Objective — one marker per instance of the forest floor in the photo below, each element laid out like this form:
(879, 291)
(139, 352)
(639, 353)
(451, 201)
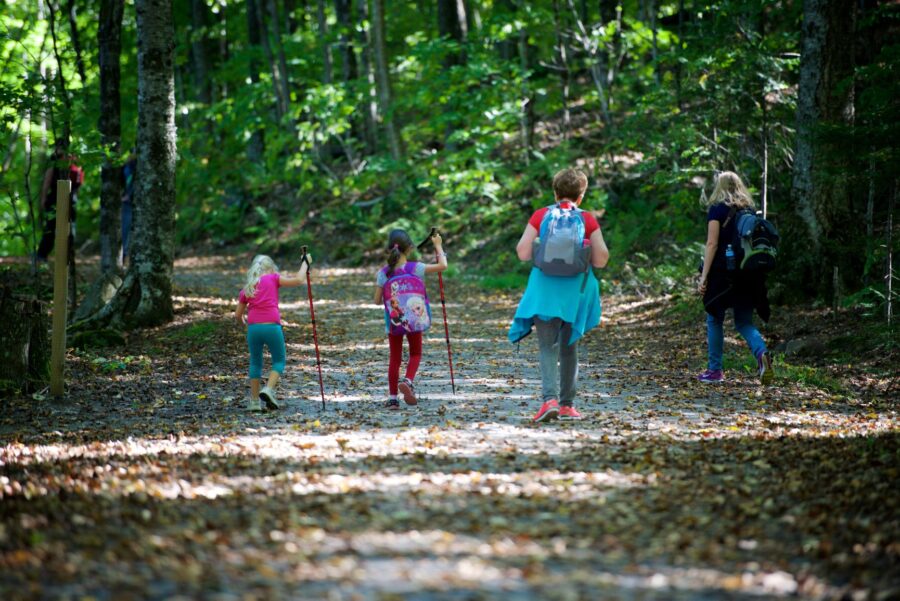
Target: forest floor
(152, 481)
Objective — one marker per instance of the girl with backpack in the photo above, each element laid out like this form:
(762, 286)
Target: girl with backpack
(400, 287)
(723, 286)
(562, 298)
(258, 310)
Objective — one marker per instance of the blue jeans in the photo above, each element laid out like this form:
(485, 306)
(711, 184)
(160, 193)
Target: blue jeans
(270, 335)
(743, 323)
(559, 360)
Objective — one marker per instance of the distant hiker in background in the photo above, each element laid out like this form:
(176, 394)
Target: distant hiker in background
(562, 298)
(400, 287)
(258, 309)
(723, 285)
(62, 166)
(129, 170)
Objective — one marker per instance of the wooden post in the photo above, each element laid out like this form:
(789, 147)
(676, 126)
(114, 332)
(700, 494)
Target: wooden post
(60, 288)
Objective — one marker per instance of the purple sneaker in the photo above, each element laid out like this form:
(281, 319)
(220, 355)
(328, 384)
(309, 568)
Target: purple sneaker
(712, 375)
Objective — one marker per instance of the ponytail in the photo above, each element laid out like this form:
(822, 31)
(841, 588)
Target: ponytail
(399, 244)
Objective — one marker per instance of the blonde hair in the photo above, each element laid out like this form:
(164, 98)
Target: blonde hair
(260, 266)
(731, 191)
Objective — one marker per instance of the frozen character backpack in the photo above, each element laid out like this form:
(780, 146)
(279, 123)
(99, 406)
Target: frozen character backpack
(560, 249)
(406, 307)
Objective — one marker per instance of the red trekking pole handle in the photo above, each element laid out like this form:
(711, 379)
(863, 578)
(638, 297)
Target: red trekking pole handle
(312, 318)
(423, 244)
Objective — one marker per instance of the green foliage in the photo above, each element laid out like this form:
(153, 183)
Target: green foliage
(710, 91)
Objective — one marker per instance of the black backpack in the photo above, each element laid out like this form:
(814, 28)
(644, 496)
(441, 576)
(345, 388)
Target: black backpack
(755, 241)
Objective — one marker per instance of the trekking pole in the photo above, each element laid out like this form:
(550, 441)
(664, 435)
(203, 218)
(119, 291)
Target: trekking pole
(424, 243)
(312, 318)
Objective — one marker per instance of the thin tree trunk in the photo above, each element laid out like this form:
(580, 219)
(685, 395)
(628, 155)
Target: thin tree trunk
(61, 80)
(256, 146)
(224, 50)
(596, 61)
(382, 78)
(655, 47)
(275, 17)
(199, 55)
(110, 49)
(76, 42)
(890, 254)
(564, 74)
(870, 223)
(526, 120)
(327, 60)
(145, 297)
(679, 51)
(370, 105)
(280, 99)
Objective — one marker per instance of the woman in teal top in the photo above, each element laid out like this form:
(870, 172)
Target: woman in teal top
(561, 308)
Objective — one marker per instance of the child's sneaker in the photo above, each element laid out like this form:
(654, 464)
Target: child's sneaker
(254, 405)
(764, 368)
(548, 411)
(569, 413)
(392, 404)
(712, 375)
(267, 396)
(408, 392)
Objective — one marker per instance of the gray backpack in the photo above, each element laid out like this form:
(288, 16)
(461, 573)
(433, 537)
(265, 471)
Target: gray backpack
(560, 249)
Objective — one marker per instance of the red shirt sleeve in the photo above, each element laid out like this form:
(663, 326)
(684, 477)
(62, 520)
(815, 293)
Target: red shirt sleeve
(590, 224)
(242, 298)
(536, 218)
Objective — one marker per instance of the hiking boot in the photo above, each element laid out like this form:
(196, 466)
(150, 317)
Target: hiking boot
(408, 392)
(254, 405)
(712, 375)
(764, 368)
(548, 411)
(568, 413)
(392, 404)
(267, 396)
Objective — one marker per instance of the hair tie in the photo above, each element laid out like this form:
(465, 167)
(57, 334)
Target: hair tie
(396, 246)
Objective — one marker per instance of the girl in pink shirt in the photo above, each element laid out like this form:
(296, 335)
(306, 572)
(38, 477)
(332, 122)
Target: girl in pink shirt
(258, 309)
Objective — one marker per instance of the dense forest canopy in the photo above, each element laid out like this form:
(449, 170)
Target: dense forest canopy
(326, 122)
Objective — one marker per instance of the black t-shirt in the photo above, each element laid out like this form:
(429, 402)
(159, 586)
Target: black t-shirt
(720, 212)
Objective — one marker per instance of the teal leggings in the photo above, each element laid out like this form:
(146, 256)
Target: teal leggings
(270, 335)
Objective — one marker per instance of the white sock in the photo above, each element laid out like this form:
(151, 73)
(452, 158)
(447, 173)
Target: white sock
(393, 397)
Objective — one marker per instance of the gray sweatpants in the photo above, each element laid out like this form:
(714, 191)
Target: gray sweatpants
(559, 360)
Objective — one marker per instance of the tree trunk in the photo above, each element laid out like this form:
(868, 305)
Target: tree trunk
(256, 146)
(655, 47)
(451, 17)
(199, 54)
(327, 60)
(63, 139)
(280, 99)
(527, 119)
(382, 77)
(145, 297)
(275, 18)
(824, 98)
(76, 42)
(110, 49)
(369, 100)
(563, 66)
(25, 353)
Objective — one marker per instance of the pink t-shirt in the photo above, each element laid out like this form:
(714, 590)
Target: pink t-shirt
(262, 307)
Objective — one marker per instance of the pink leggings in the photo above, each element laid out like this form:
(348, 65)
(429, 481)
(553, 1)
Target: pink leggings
(415, 356)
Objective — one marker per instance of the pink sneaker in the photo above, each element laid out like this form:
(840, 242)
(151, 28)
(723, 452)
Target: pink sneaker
(548, 411)
(408, 392)
(711, 375)
(567, 412)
